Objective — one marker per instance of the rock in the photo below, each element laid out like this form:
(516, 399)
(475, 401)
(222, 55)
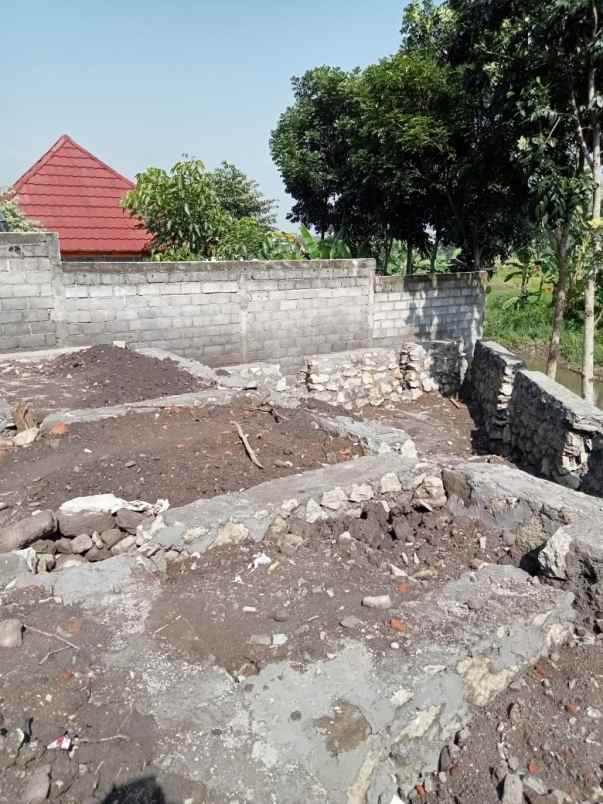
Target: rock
(360, 493)
(81, 544)
(367, 530)
(67, 561)
(277, 527)
(390, 484)
(48, 546)
(402, 529)
(265, 640)
(281, 616)
(111, 537)
(128, 520)
(26, 437)
(11, 633)
(46, 563)
(38, 786)
(83, 522)
(553, 556)
(98, 503)
(351, 622)
(98, 554)
(26, 531)
(396, 572)
(532, 784)
(231, 533)
(290, 543)
(334, 499)
(313, 512)
(377, 602)
(63, 546)
(512, 789)
(124, 545)
(278, 640)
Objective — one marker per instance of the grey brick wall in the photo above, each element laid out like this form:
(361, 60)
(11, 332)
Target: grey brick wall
(429, 307)
(28, 264)
(225, 312)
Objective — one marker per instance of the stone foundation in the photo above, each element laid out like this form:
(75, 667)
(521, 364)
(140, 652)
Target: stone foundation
(354, 379)
(430, 366)
(537, 422)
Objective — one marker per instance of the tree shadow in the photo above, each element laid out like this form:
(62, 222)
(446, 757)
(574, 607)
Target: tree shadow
(145, 790)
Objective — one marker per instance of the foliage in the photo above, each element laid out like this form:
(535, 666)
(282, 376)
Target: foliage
(242, 239)
(16, 219)
(180, 208)
(240, 196)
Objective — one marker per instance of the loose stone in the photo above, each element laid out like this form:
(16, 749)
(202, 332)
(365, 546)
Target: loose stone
(11, 633)
(377, 602)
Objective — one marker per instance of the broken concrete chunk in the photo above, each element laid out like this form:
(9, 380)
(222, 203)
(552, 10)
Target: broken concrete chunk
(360, 493)
(11, 565)
(26, 531)
(83, 522)
(231, 533)
(11, 633)
(390, 483)
(290, 543)
(6, 416)
(313, 512)
(26, 437)
(99, 503)
(334, 499)
(553, 557)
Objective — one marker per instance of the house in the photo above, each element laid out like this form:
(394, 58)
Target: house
(71, 192)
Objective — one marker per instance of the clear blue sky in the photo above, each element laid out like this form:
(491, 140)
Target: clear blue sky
(139, 83)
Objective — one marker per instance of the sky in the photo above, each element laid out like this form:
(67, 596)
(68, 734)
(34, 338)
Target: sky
(141, 82)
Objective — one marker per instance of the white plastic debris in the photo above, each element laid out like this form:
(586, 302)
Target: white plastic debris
(261, 560)
(278, 640)
(62, 743)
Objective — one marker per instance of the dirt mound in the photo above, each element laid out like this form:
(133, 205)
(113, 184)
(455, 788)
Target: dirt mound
(109, 375)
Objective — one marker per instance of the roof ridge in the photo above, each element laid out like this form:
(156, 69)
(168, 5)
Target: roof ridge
(65, 139)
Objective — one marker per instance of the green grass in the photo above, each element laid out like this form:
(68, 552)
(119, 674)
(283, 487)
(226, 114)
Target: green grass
(530, 326)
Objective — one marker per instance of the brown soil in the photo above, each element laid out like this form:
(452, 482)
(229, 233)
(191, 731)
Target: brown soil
(550, 723)
(305, 595)
(95, 377)
(180, 454)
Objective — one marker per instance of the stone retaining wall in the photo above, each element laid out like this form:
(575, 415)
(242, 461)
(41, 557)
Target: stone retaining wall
(431, 366)
(536, 421)
(225, 312)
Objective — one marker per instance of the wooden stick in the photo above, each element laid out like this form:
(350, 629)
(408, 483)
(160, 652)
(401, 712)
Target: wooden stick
(248, 448)
(52, 653)
(51, 636)
(454, 402)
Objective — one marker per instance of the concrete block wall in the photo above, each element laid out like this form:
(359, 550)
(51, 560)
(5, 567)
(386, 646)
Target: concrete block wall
(27, 295)
(225, 312)
(429, 307)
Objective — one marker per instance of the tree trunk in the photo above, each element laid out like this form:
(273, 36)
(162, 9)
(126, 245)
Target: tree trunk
(590, 291)
(560, 302)
(408, 258)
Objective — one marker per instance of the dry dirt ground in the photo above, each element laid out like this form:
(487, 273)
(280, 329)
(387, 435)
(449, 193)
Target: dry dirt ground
(94, 377)
(180, 454)
(230, 610)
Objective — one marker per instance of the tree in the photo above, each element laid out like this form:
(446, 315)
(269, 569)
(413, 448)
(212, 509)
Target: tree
(15, 218)
(240, 196)
(310, 145)
(180, 208)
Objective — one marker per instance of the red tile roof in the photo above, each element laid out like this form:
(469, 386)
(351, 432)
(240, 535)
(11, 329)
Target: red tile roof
(71, 192)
